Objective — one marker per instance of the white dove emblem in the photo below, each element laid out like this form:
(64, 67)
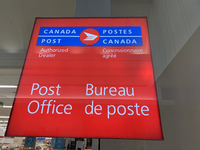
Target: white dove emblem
(90, 37)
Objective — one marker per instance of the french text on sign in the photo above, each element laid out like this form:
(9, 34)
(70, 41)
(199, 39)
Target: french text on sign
(122, 110)
(112, 91)
(96, 109)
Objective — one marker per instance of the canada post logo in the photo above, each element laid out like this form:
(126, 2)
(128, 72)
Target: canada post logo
(90, 36)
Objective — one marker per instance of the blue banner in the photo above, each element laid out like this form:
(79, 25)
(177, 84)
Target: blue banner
(90, 36)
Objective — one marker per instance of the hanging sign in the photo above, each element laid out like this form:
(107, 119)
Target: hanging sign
(87, 77)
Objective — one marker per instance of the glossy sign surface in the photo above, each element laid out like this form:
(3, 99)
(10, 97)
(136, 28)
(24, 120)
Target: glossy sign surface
(87, 77)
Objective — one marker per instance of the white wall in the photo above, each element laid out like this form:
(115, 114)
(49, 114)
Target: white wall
(171, 24)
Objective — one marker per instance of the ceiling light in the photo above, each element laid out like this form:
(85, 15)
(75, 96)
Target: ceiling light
(4, 116)
(3, 125)
(7, 106)
(3, 121)
(8, 86)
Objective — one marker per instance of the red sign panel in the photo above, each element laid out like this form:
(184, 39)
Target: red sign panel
(87, 77)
